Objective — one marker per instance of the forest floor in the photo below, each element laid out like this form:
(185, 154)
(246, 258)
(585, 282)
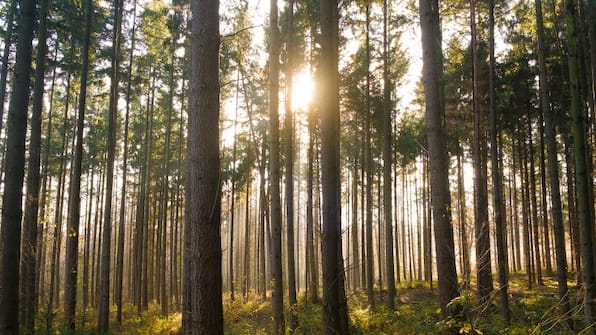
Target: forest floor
(533, 311)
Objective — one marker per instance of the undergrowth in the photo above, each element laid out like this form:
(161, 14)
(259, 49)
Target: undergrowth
(533, 312)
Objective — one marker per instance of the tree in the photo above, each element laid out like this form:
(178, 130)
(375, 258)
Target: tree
(29, 244)
(4, 69)
(387, 156)
(497, 181)
(483, 270)
(14, 171)
(121, 225)
(553, 166)
(289, 143)
(74, 204)
(202, 278)
(437, 151)
(276, 264)
(581, 172)
(104, 283)
(335, 312)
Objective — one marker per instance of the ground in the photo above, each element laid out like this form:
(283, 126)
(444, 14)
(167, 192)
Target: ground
(533, 312)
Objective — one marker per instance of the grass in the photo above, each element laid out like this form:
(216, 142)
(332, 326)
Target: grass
(533, 312)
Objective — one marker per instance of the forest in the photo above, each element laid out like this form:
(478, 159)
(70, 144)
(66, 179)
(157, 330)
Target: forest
(297, 167)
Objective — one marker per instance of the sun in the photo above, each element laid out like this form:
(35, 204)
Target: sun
(302, 90)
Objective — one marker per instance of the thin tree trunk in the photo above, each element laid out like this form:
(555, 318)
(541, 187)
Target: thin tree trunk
(276, 248)
(289, 166)
(481, 224)
(74, 192)
(121, 223)
(498, 203)
(387, 146)
(369, 173)
(534, 207)
(104, 284)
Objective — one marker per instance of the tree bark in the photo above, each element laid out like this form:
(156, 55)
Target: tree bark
(553, 168)
(289, 167)
(481, 224)
(74, 192)
(439, 162)
(29, 244)
(276, 248)
(104, 283)
(581, 174)
(202, 279)
(121, 223)
(335, 313)
(6, 53)
(498, 202)
(387, 155)
(14, 170)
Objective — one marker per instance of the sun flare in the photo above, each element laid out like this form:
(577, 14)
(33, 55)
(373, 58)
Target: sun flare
(302, 90)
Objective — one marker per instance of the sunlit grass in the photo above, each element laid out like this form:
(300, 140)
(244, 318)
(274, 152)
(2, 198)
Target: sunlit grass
(534, 311)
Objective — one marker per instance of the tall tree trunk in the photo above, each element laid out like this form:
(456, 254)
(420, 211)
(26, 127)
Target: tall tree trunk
(14, 170)
(202, 279)
(312, 281)
(387, 146)
(277, 298)
(5, 55)
(437, 151)
(74, 192)
(29, 244)
(498, 203)
(534, 206)
(553, 168)
(581, 174)
(121, 224)
(369, 173)
(481, 224)
(463, 224)
(354, 232)
(289, 166)
(104, 284)
(335, 312)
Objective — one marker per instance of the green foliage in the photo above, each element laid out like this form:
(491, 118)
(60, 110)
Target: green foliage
(458, 318)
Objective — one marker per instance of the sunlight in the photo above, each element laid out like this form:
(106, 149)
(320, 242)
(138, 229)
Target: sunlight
(302, 91)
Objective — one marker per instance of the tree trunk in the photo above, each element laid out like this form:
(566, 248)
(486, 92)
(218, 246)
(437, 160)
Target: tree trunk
(553, 168)
(104, 284)
(312, 287)
(289, 166)
(437, 151)
(335, 312)
(202, 279)
(14, 171)
(121, 224)
(74, 192)
(5, 55)
(534, 206)
(498, 203)
(370, 273)
(387, 145)
(29, 244)
(276, 248)
(581, 174)
(481, 224)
